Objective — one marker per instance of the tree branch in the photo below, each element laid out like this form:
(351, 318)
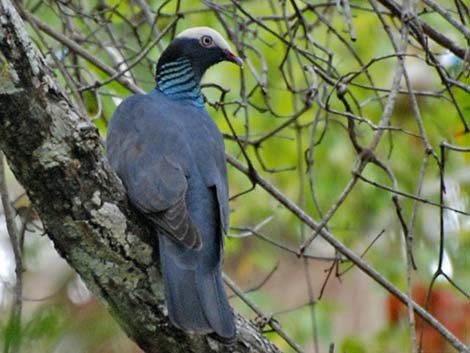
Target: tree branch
(57, 155)
(429, 30)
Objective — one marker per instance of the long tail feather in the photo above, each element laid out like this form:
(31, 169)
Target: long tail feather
(196, 299)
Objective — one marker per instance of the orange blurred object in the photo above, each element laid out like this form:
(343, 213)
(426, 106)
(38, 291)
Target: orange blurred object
(445, 306)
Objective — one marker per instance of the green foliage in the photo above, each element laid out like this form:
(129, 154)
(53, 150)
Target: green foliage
(12, 333)
(352, 345)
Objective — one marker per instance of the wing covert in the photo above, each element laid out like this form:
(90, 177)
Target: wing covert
(148, 166)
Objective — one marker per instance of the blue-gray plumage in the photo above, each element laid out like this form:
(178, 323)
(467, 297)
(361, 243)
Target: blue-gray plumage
(170, 156)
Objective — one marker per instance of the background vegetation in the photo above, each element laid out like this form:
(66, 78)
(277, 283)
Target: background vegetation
(354, 110)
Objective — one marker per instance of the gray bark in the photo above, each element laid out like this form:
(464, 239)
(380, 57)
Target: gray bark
(57, 155)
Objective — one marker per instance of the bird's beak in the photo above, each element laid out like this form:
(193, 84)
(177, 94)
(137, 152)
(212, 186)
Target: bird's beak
(233, 58)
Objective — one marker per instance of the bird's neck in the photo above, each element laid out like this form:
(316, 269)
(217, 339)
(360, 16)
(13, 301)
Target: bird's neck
(178, 80)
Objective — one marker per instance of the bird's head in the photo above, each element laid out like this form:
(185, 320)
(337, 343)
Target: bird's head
(202, 46)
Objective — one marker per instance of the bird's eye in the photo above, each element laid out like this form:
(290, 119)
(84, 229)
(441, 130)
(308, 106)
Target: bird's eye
(206, 41)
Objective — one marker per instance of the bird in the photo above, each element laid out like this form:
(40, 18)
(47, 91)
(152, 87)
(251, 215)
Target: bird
(170, 156)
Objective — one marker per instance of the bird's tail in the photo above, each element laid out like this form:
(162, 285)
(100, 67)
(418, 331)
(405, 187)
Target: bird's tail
(195, 297)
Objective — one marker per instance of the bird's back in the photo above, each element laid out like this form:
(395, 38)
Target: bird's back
(144, 130)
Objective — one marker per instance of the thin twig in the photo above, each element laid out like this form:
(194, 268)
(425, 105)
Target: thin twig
(269, 319)
(126, 82)
(12, 343)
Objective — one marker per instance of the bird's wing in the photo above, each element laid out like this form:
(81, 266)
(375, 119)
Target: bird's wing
(154, 178)
(222, 195)
(159, 191)
(209, 152)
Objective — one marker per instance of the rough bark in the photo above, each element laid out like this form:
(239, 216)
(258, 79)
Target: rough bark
(57, 155)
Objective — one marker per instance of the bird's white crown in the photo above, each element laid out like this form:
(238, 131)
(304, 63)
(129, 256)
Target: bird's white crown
(199, 32)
